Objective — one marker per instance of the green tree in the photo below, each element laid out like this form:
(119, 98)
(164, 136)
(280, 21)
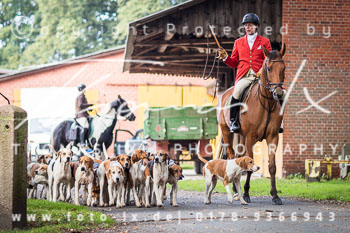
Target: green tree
(53, 30)
(17, 30)
(71, 28)
(135, 9)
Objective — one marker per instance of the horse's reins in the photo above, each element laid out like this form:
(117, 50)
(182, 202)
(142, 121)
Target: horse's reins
(271, 87)
(267, 78)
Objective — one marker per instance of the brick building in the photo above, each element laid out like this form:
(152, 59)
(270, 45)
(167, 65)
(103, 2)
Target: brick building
(327, 70)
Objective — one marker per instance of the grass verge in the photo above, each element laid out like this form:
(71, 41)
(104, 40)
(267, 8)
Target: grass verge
(45, 216)
(325, 190)
(187, 166)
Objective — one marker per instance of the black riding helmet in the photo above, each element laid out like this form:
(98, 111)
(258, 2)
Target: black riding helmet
(81, 87)
(251, 18)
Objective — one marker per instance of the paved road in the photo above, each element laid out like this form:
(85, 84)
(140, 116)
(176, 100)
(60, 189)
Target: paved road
(193, 215)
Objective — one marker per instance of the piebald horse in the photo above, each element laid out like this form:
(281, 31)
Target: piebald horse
(262, 120)
(101, 126)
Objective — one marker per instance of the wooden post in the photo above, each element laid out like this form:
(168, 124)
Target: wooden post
(329, 171)
(13, 163)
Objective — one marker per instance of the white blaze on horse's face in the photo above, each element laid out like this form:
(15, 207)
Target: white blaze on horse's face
(275, 70)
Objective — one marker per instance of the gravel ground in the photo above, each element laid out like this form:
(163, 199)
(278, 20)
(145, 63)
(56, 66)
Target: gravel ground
(193, 215)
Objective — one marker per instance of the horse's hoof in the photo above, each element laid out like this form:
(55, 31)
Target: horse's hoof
(247, 199)
(277, 201)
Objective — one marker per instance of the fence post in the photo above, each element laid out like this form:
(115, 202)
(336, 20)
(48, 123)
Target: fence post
(13, 163)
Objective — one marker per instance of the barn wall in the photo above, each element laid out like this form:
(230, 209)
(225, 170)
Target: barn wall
(327, 70)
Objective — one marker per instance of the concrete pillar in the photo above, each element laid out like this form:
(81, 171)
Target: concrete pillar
(13, 163)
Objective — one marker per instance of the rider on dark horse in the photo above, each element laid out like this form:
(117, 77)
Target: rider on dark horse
(81, 106)
(248, 57)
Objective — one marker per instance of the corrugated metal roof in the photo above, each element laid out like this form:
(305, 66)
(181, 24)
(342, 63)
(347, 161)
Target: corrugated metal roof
(131, 37)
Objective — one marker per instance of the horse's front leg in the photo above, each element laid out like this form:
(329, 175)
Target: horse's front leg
(272, 143)
(249, 151)
(227, 136)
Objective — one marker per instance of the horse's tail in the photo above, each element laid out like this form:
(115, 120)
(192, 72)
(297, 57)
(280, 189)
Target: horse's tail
(202, 159)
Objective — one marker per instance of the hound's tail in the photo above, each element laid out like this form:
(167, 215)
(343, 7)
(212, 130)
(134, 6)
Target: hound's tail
(30, 157)
(202, 159)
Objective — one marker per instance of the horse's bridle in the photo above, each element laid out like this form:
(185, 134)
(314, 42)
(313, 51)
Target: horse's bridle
(271, 87)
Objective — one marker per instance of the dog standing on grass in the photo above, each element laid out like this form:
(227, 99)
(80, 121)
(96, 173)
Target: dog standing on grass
(227, 171)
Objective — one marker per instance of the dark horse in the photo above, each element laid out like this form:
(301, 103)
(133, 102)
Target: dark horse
(101, 126)
(262, 120)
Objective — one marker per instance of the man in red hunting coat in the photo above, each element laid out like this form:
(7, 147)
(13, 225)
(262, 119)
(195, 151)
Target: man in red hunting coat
(247, 56)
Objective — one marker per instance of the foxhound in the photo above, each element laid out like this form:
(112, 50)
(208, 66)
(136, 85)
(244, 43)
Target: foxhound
(115, 178)
(84, 175)
(59, 171)
(160, 173)
(175, 174)
(125, 161)
(140, 178)
(227, 171)
(37, 174)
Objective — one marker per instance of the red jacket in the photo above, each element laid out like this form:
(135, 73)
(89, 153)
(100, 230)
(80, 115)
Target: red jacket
(243, 58)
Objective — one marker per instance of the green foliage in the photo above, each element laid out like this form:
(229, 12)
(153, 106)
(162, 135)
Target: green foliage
(135, 9)
(299, 188)
(53, 30)
(14, 40)
(296, 175)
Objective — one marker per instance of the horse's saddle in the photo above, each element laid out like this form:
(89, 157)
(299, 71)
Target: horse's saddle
(75, 129)
(244, 97)
(73, 133)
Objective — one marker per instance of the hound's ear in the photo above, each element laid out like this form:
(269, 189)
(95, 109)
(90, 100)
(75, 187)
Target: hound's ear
(91, 163)
(242, 163)
(266, 53)
(283, 49)
(40, 159)
(134, 157)
(148, 154)
(119, 97)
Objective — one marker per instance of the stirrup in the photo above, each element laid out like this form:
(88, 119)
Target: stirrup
(234, 127)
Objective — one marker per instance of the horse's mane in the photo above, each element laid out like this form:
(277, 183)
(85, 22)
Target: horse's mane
(106, 109)
(274, 54)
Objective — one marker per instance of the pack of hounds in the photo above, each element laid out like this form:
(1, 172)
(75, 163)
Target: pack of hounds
(105, 182)
(111, 181)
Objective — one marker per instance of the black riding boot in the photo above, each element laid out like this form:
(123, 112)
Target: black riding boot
(82, 135)
(281, 128)
(234, 123)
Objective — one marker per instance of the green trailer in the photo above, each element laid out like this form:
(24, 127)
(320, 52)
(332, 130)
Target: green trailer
(183, 132)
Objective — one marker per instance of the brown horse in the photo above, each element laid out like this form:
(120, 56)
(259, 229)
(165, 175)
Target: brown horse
(262, 120)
